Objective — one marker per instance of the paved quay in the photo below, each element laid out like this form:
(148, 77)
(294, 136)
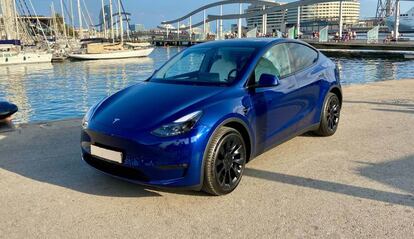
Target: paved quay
(356, 184)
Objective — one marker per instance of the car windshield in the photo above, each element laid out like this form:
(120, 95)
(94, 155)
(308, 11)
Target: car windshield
(216, 66)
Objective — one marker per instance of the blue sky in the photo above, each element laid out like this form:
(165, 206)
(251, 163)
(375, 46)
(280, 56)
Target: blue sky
(152, 12)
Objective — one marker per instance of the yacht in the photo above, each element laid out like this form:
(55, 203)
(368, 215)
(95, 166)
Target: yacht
(406, 22)
(13, 54)
(102, 51)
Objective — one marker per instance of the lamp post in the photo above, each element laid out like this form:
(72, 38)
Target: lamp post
(221, 22)
(298, 22)
(239, 30)
(204, 23)
(397, 20)
(341, 23)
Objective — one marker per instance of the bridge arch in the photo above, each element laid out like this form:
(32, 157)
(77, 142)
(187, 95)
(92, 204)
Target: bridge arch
(273, 8)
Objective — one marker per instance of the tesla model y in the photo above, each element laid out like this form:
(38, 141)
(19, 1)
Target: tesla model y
(204, 114)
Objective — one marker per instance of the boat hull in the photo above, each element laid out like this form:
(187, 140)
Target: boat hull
(25, 58)
(406, 22)
(113, 55)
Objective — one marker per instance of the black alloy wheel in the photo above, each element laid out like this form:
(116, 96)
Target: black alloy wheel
(225, 162)
(333, 113)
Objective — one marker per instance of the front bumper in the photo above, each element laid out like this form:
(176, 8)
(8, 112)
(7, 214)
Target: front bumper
(149, 160)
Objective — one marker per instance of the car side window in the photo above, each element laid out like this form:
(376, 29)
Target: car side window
(274, 62)
(301, 56)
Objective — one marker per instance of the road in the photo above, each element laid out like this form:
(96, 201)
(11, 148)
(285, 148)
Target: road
(356, 184)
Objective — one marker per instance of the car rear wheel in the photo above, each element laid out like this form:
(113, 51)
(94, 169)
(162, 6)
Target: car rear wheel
(330, 116)
(224, 162)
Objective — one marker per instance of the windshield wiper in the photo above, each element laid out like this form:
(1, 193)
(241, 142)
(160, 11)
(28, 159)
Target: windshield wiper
(180, 78)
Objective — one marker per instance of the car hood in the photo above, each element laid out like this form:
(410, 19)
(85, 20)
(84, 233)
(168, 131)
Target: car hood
(148, 104)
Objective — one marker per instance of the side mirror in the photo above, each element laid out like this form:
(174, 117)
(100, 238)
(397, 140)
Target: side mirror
(267, 80)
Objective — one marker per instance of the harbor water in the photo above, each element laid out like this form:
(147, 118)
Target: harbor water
(58, 91)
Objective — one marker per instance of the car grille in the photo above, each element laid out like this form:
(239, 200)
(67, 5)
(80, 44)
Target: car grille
(115, 170)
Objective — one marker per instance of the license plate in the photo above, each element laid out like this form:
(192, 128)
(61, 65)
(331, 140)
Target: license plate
(107, 154)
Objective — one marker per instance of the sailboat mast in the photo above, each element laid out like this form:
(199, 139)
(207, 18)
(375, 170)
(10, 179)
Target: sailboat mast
(63, 19)
(86, 20)
(80, 20)
(104, 19)
(88, 17)
(116, 27)
(112, 20)
(52, 10)
(38, 24)
(121, 22)
(16, 19)
(72, 19)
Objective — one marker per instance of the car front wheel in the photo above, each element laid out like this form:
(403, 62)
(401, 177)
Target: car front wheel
(225, 161)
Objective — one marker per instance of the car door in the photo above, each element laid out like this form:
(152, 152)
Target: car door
(275, 107)
(308, 74)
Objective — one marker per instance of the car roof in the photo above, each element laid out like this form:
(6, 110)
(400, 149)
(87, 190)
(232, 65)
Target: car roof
(245, 42)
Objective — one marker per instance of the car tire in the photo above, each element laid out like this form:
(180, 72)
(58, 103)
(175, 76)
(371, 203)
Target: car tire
(330, 116)
(224, 162)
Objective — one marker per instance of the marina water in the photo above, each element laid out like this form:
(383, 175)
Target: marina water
(58, 91)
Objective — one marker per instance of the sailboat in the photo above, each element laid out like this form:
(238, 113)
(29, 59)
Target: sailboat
(11, 49)
(102, 51)
(11, 54)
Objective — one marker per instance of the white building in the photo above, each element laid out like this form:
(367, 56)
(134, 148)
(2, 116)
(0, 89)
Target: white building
(312, 16)
(138, 27)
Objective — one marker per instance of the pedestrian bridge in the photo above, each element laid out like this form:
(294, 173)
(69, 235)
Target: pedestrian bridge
(270, 8)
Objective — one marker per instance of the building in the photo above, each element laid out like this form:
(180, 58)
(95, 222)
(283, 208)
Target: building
(137, 27)
(275, 21)
(313, 17)
(105, 14)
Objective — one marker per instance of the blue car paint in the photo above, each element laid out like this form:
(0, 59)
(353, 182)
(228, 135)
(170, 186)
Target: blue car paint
(270, 116)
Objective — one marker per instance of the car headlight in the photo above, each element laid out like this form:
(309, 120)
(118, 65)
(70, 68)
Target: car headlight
(85, 123)
(88, 115)
(180, 126)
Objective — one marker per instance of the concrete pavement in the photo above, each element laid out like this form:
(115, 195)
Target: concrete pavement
(358, 183)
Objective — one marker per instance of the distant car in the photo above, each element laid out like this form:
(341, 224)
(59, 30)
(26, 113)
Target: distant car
(202, 116)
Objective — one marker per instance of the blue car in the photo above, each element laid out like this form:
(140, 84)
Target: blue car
(212, 108)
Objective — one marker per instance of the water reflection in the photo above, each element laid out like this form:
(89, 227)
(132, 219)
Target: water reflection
(357, 71)
(66, 90)
(17, 88)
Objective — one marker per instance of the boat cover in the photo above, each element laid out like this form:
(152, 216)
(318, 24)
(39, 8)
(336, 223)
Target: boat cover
(7, 109)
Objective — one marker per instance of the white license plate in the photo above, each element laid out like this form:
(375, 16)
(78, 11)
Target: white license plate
(107, 154)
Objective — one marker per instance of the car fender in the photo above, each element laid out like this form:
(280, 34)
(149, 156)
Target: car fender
(225, 120)
(325, 95)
